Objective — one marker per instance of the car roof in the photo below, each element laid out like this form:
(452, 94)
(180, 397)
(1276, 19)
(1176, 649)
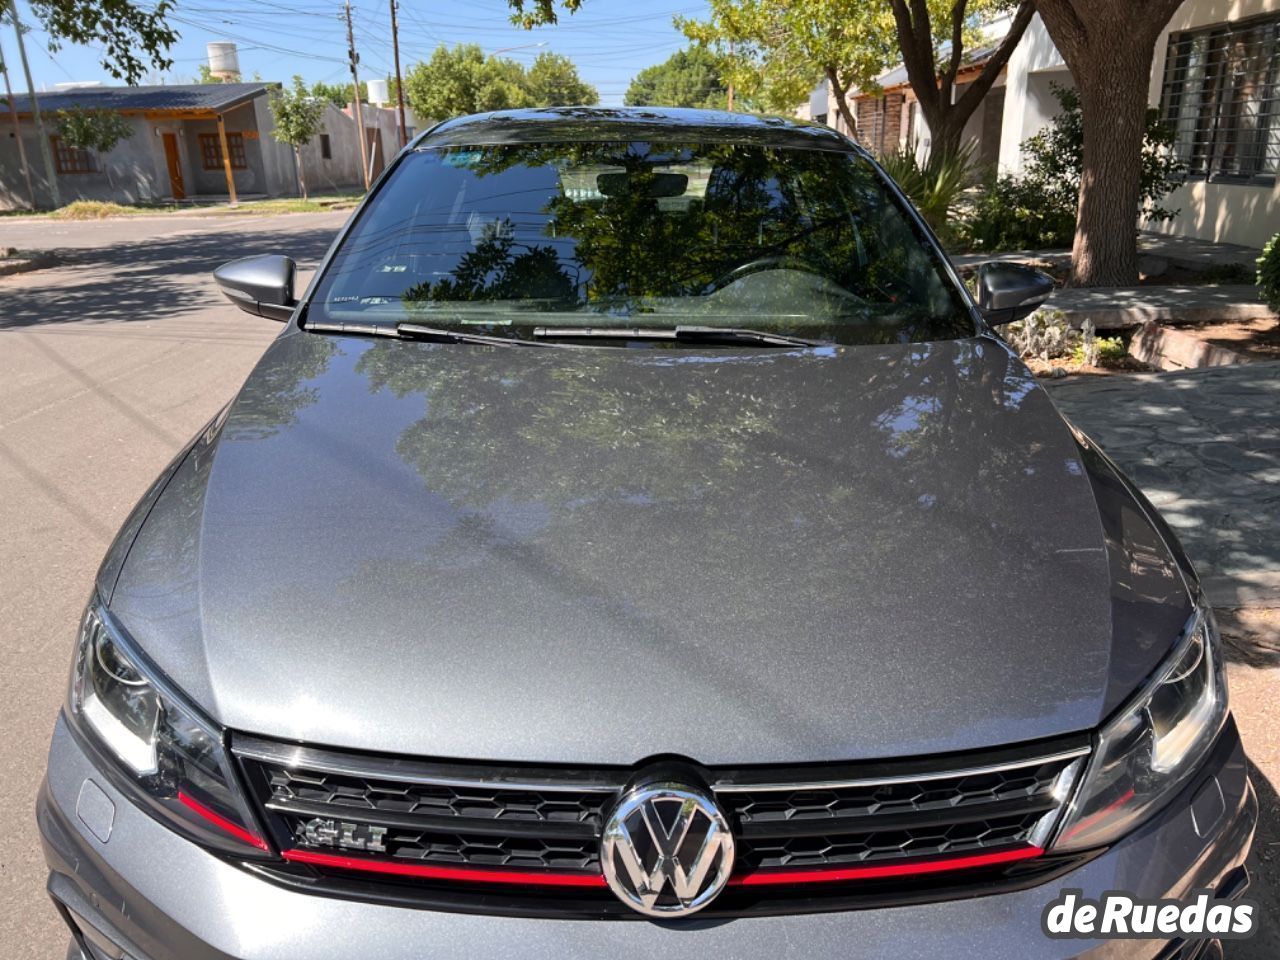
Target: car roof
(599, 124)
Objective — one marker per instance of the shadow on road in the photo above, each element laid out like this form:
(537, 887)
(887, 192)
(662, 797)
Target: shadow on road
(146, 279)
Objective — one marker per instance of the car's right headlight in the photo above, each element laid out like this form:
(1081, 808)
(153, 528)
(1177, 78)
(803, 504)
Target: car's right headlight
(153, 744)
(1153, 746)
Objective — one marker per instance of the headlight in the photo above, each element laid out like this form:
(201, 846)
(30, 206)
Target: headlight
(1154, 745)
(160, 750)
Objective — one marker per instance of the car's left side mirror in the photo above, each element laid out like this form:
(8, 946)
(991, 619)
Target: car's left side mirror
(262, 286)
(1009, 291)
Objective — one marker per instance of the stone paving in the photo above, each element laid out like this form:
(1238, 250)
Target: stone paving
(1204, 446)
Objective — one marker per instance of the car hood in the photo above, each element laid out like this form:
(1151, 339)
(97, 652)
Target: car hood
(604, 554)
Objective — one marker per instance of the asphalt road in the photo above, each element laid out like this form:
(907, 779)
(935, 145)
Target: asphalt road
(107, 366)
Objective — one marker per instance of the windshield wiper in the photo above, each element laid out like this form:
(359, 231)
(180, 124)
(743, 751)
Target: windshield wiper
(416, 331)
(685, 334)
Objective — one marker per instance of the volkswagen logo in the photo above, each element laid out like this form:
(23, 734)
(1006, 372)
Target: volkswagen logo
(667, 850)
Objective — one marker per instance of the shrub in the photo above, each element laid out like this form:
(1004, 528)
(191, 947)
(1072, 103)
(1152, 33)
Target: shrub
(1269, 273)
(1038, 208)
(1016, 213)
(933, 187)
(1046, 334)
(1092, 350)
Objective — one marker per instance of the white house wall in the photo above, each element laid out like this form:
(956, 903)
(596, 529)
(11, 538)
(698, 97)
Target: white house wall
(1228, 212)
(1029, 103)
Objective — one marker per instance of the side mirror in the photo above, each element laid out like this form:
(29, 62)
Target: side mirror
(262, 286)
(1010, 291)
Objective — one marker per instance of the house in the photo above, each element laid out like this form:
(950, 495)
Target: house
(198, 141)
(1215, 78)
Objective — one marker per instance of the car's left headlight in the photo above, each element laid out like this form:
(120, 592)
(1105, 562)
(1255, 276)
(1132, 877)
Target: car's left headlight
(1154, 745)
(155, 745)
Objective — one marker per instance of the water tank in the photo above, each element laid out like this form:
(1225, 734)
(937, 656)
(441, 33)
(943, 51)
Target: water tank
(379, 93)
(224, 62)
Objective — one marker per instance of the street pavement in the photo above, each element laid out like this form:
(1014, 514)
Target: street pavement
(107, 366)
(109, 363)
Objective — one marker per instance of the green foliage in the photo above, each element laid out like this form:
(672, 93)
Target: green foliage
(1018, 213)
(132, 37)
(552, 81)
(688, 78)
(935, 186)
(93, 129)
(339, 94)
(296, 113)
(1055, 157)
(538, 13)
(1269, 273)
(205, 75)
(782, 47)
(463, 80)
(1099, 352)
(1037, 210)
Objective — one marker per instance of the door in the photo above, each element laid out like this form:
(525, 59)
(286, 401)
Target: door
(176, 187)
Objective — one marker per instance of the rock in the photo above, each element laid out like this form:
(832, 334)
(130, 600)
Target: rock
(1149, 265)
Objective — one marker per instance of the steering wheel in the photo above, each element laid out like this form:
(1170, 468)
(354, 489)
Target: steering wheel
(760, 265)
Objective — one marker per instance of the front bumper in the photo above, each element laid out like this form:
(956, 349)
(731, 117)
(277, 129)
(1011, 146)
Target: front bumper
(160, 897)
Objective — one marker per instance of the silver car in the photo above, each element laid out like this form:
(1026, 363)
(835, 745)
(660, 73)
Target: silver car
(637, 543)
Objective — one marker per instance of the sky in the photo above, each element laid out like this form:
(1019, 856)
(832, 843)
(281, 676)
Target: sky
(609, 40)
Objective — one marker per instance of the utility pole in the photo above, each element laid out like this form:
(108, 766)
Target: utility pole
(395, 46)
(45, 153)
(17, 131)
(353, 59)
(730, 91)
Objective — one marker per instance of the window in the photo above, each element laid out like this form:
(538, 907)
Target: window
(211, 151)
(567, 234)
(326, 149)
(69, 159)
(1221, 94)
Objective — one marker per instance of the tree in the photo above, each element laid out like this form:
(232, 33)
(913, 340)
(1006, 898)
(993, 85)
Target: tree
(553, 81)
(297, 116)
(781, 47)
(339, 94)
(1108, 47)
(132, 37)
(463, 80)
(933, 77)
(538, 13)
(93, 129)
(688, 78)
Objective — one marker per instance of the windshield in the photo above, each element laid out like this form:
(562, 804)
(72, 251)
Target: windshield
(518, 240)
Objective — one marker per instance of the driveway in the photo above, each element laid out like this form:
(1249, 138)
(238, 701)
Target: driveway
(107, 366)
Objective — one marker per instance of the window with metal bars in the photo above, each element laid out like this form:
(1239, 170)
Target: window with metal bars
(1221, 95)
(211, 151)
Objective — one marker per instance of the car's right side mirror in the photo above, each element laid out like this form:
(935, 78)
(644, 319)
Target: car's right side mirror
(262, 286)
(1010, 291)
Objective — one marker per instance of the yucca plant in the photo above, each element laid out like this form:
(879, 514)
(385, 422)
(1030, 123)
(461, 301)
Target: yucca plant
(934, 186)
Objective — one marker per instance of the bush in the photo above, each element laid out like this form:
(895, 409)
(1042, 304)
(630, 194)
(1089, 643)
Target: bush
(1269, 273)
(933, 187)
(1016, 213)
(1038, 208)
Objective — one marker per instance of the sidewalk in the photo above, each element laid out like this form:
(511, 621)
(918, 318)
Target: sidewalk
(1204, 446)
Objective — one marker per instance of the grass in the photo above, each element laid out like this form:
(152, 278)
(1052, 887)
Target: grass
(104, 209)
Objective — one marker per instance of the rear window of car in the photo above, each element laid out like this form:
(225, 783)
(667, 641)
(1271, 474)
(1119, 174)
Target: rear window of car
(512, 236)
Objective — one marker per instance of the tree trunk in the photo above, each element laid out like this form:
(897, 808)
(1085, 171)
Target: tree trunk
(1113, 112)
(302, 180)
(842, 102)
(1108, 47)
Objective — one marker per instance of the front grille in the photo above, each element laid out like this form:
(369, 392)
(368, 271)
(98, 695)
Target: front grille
(364, 825)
